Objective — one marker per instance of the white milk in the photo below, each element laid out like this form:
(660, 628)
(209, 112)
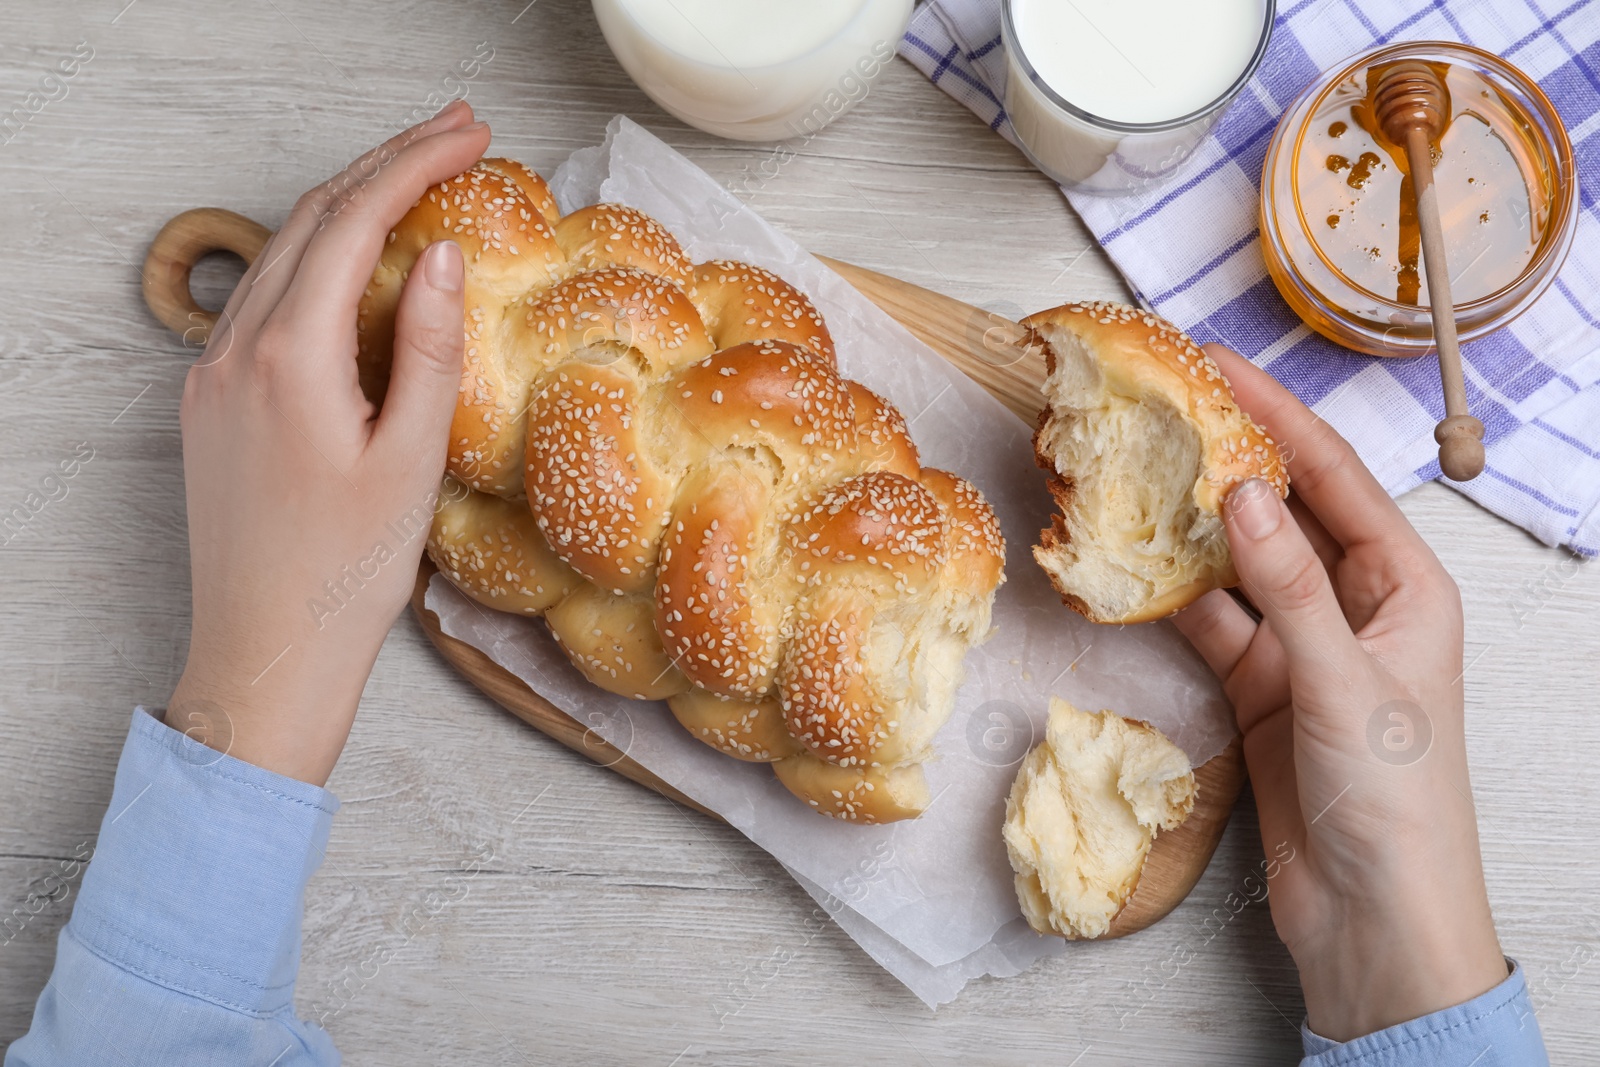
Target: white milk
(1123, 63)
(754, 70)
(1138, 61)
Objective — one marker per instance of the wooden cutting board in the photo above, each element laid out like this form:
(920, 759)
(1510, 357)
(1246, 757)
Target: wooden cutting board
(990, 349)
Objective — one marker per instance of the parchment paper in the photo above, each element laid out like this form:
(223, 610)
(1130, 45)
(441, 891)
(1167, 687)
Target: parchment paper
(930, 899)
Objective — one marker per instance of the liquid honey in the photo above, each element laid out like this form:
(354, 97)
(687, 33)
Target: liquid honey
(1338, 233)
(1354, 189)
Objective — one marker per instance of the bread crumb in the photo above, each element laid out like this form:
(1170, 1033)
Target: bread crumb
(1082, 813)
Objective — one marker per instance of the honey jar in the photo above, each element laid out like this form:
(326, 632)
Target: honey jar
(1338, 224)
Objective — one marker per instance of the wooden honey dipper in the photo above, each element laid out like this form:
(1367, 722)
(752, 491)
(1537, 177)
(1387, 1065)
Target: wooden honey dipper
(1410, 107)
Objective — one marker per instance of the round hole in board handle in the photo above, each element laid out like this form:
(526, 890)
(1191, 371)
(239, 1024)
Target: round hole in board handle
(184, 241)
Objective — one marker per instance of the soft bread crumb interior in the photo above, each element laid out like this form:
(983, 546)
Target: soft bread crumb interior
(1133, 528)
(1082, 813)
(915, 657)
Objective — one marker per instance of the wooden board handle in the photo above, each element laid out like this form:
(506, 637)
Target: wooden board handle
(184, 241)
(1003, 357)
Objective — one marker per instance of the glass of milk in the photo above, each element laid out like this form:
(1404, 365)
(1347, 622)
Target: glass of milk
(1112, 96)
(754, 70)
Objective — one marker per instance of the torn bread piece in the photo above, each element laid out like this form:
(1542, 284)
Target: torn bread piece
(1082, 813)
(1143, 442)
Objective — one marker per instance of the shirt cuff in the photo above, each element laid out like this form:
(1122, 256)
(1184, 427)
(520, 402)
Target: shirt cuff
(200, 870)
(1496, 1029)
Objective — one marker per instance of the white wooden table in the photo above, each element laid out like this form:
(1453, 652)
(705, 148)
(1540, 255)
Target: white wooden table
(609, 926)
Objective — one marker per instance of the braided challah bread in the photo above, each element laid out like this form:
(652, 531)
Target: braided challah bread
(661, 459)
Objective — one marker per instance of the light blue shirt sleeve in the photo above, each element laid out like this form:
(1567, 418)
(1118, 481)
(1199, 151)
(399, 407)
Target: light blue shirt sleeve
(184, 943)
(1496, 1029)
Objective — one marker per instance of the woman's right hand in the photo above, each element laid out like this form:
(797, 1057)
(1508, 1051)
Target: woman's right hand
(1348, 693)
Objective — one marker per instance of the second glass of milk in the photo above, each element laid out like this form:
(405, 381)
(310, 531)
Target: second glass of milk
(1112, 96)
(754, 70)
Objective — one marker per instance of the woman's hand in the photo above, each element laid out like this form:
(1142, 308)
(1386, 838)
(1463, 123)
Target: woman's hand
(1348, 693)
(308, 510)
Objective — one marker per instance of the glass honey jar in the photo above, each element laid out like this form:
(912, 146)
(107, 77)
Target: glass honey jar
(1338, 224)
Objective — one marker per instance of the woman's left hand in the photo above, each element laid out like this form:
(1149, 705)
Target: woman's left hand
(308, 509)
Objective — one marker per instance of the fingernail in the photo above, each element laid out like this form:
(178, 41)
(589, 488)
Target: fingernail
(475, 126)
(451, 107)
(1254, 509)
(444, 269)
